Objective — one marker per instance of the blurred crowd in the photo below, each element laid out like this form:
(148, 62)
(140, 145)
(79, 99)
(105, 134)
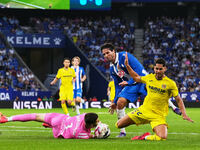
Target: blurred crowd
(89, 34)
(178, 41)
(175, 39)
(12, 75)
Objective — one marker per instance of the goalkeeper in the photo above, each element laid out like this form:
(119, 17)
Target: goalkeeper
(63, 126)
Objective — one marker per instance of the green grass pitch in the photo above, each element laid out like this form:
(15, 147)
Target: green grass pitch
(40, 4)
(182, 135)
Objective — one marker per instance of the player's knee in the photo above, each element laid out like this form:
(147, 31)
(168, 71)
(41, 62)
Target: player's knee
(78, 100)
(117, 125)
(163, 137)
(121, 103)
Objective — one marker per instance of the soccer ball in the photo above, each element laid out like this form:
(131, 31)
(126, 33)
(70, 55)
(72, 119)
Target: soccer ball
(102, 131)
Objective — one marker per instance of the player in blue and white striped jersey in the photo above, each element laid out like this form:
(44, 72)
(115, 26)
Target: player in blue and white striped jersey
(78, 83)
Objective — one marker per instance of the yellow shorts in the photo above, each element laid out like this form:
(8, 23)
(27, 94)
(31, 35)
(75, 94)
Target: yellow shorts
(140, 117)
(66, 95)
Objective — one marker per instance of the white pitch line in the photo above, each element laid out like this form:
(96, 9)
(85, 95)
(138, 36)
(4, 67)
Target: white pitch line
(45, 130)
(26, 130)
(28, 4)
(21, 127)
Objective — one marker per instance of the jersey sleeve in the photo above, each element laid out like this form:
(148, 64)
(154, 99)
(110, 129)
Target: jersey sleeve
(59, 74)
(83, 135)
(144, 79)
(135, 65)
(174, 89)
(83, 72)
(73, 73)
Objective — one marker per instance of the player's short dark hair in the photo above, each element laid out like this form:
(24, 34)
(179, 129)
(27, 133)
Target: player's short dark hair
(91, 118)
(66, 58)
(160, 61)
(108, 45)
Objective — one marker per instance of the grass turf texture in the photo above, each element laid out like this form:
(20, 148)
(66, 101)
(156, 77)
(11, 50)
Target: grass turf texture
(32, 136)
(55, 4)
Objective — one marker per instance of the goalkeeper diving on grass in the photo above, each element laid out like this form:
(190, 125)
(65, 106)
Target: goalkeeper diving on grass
(63, 126)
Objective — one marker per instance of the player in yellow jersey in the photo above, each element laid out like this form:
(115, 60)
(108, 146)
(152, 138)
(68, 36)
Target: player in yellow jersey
(67, 76)
(155, 107)
(111, 90)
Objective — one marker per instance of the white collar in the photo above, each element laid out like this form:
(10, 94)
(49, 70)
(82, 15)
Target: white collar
(116, 59)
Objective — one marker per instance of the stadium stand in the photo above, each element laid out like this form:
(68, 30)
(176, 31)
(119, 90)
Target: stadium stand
(13, 72)
(177, 40)
(13, 75)
(89, 34)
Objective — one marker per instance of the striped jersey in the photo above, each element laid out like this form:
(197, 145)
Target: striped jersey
(79, 71)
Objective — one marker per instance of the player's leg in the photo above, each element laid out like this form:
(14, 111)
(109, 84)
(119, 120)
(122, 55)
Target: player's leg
(129, 93)
(121, 103)
(64, 107)
(124, 122)
(160, 133)
(158, 125)
(78, 100)
(174, 108)
(23, 118)
(62, 98)
(70, 99)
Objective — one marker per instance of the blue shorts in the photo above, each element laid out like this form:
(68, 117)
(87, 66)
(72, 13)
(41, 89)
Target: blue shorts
(131, 93)
(77, 93)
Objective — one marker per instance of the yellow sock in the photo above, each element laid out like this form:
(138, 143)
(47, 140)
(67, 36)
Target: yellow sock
(116, 125)
(73, 103)
(64, 107)
(153, 138)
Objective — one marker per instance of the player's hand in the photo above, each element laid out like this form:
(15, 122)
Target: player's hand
(185, 117)
(123, 83)
(126, 60)
(112, 108)
(52, 83)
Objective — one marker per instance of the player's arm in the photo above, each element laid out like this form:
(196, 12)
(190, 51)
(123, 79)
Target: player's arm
(108, 91)
(132, 73)
(182, 108)
(54, 81)
(83, 78)
(74, 79)
(73, 75)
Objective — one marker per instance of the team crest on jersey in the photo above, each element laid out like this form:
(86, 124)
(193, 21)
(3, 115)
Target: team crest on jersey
(121, 73)
(164, 86)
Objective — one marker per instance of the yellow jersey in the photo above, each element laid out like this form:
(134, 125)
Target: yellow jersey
(158, 94)
(66, 76)
(111, 85)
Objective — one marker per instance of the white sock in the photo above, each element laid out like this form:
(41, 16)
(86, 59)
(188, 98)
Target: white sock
(121, 114)
(9, 118)
(82, 100)
(77, 110)
(171, 105)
